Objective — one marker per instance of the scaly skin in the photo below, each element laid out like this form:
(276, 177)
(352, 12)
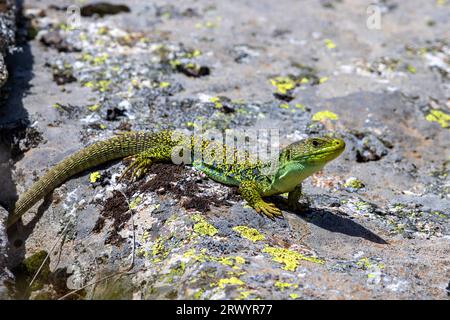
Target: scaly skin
(296, 162)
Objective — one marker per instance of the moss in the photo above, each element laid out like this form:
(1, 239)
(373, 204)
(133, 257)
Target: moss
(229, 281)
(203, 227)
(289, 258)
(28, 268)
(249, 233)
(325, 115)
(440, 117)
(94, 176)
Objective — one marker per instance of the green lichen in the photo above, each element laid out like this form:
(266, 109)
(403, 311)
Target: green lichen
(411, 69)
(159, 251)
(136, 201)
(177, 271)
(198, 294)
(249, 233)
(203, 227)
(325, 115)
(440, 117)
(354, 183)
(289, 258)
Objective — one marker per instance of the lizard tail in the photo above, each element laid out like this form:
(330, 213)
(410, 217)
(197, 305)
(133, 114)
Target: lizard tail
(100, 152)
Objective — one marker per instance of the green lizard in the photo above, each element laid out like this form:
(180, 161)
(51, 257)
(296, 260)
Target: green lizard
(295, 163)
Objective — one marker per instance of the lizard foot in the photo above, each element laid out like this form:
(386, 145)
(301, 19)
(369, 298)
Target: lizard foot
(138, 168)
(268, 209)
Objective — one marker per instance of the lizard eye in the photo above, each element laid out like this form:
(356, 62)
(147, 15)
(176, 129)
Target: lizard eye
(315, 143)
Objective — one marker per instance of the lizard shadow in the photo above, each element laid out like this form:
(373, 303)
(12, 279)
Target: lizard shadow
(333, 222)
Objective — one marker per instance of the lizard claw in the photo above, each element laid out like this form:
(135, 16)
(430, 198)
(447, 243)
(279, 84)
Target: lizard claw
(139, 167)
(268, 209)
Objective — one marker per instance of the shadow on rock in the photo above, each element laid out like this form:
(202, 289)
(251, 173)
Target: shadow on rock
(332, 222)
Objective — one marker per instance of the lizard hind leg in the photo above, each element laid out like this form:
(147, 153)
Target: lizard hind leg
(141, 163)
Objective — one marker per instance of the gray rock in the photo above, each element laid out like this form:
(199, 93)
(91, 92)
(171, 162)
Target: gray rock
(7, 34)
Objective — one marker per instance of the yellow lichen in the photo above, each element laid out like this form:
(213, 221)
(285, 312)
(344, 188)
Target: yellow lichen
(289, 258)
(282, 285)
(411, 69)
(330, 44)
(324, 115)
(230, 281)
(94, 176)
(245, 294)
(249, 233)
(164, 84)
(300, 106)
(440, 117)
(284, 106)
(94, 107)
(294, 296)
(323, 80)
(283, 84)
(203, 227)
(216, 101)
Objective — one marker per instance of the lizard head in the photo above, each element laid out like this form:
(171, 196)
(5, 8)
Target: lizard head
(313, 151)
(303, 158)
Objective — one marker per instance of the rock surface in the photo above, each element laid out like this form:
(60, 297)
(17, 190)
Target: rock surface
(378, 222)
(7, 35)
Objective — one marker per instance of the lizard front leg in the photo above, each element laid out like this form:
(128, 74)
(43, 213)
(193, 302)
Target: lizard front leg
(250, 192)
(293, 198)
